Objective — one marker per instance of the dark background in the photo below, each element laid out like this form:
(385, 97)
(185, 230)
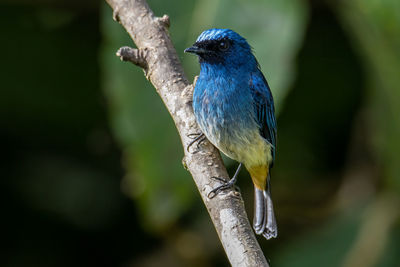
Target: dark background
(91, 170)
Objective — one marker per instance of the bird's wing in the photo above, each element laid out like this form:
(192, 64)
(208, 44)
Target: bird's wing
(264, 108)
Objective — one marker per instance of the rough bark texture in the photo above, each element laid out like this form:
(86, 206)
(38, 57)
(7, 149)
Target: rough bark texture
(157, 56)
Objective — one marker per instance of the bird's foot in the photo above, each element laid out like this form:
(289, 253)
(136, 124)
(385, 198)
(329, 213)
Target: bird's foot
(197, 137)
(225, 184)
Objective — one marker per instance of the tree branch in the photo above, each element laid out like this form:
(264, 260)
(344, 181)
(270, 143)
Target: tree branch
(157, 56)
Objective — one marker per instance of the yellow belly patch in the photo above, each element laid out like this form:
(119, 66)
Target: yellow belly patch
(259, 175)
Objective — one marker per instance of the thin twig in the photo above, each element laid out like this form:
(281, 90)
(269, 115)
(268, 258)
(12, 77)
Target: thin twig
(158, 57)
(135, 56)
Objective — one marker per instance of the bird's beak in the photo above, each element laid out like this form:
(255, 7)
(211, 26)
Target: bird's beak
(195, 50)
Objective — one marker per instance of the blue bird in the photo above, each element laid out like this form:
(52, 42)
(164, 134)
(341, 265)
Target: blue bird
(234, 108)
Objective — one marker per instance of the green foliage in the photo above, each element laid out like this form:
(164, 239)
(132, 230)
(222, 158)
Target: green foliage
(146, 133)
(374, 27)
(326, 246)
(78, 126)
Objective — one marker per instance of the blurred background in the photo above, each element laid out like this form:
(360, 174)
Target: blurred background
(91, 171)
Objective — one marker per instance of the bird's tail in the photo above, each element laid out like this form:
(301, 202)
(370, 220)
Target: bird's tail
(264, 221)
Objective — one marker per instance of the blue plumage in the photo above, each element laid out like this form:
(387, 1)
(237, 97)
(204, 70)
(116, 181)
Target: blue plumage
(234, 108)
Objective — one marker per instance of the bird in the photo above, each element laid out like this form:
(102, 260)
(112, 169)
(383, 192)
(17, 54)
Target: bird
(234, 108)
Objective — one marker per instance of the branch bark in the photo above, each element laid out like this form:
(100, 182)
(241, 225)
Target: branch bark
(157, 56)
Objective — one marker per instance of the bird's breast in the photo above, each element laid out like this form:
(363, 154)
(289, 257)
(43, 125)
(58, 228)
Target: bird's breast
(218, 114)
(226, 117)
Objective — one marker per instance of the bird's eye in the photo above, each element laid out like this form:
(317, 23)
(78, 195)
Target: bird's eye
(223, 45)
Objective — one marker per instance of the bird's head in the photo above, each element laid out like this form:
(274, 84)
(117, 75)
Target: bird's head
(222, 47)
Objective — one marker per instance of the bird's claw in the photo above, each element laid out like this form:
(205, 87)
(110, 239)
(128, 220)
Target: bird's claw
(219, 179)
(225, 185)
(197, 137)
